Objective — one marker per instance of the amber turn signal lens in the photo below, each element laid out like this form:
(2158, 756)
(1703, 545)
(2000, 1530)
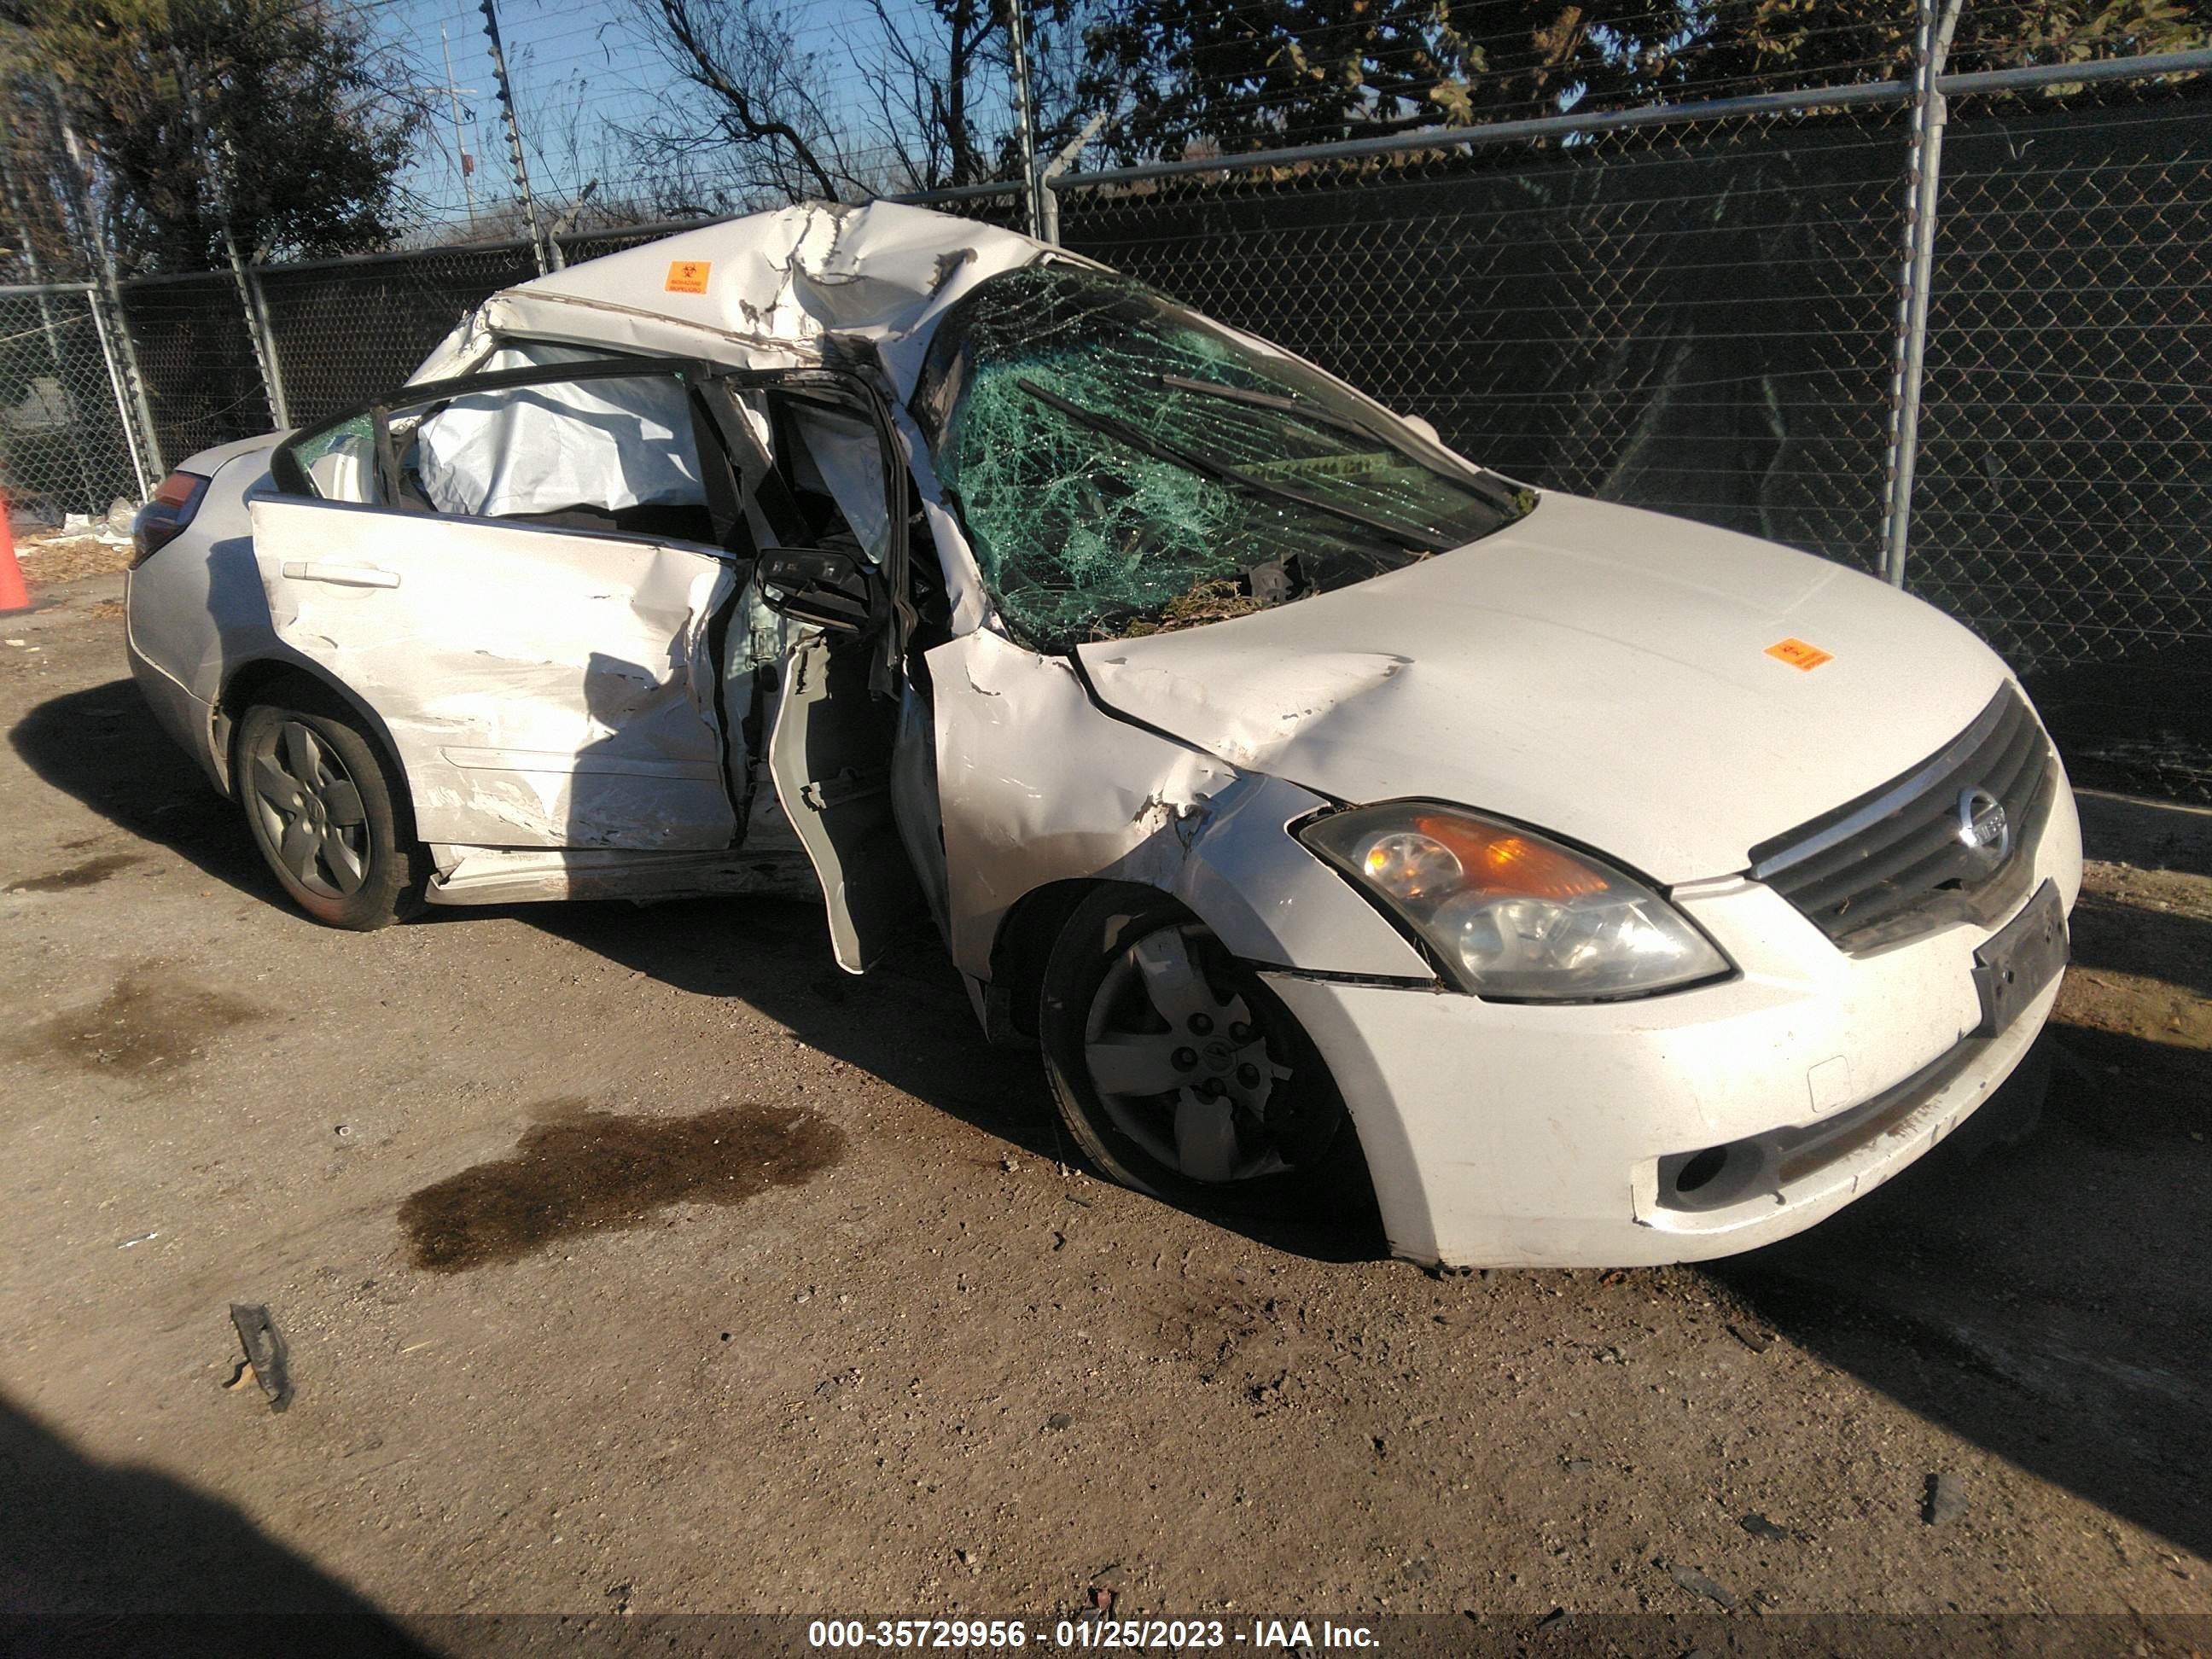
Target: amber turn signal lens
(1497, 861)
(1509, 913)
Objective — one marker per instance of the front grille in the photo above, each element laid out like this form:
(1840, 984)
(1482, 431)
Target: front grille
(1892, 863)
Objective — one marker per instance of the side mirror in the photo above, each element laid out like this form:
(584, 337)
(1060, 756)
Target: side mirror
(831, 588)
(1423, 427)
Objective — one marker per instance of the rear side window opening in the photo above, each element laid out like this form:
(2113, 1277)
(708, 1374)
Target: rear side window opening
(606, 454)
(1123, 466)
(613, 451)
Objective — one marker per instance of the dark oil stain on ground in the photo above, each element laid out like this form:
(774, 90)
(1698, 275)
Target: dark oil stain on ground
(149, 1023)
(576, 1170)
(88, 874)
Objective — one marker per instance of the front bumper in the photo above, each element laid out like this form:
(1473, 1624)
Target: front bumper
(1530, 1135)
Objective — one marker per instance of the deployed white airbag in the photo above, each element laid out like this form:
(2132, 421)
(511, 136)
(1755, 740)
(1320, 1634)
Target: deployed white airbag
(605, 443)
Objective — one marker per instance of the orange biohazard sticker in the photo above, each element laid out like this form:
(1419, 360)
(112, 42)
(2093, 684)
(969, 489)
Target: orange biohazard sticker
(1798, 654)
(687, 275)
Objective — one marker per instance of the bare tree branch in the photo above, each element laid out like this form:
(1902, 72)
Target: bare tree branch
(744, 115)
(908, 90)
(926, 104)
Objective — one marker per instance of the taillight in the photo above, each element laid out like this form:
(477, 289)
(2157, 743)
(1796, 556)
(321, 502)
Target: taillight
(161, 519)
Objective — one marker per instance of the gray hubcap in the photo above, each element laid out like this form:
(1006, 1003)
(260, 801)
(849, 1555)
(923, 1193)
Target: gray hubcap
(1185, 1092)
(311, 811)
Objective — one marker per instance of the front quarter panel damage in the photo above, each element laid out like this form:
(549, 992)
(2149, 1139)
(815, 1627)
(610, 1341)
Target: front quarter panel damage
(1283, 704)
(1039, 785)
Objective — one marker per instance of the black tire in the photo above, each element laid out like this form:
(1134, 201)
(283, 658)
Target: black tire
(1297, 1122)
(324, 805)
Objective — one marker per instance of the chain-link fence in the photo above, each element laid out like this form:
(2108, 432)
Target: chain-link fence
(64, 445)
(330, 333)
(1694, 317)
(1694, 309)
(1698, 310)
(2063, 505)
(196, 359)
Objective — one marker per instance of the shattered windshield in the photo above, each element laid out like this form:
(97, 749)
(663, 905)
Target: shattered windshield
(1123, 466)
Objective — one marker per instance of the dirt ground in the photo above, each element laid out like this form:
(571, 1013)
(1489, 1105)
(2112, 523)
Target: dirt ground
(53, 558)
(635, 1259)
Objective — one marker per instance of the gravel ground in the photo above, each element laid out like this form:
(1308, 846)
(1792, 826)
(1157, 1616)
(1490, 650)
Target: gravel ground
(635, 1259)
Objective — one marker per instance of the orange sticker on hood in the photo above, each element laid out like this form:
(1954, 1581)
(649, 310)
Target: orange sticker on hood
(1798, 654)
(689, 276)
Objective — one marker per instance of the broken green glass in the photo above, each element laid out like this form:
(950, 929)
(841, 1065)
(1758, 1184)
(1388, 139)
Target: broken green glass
(1123, 464)
(351, 476)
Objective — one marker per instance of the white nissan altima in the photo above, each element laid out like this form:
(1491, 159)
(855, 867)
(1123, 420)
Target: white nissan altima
(1341, 820)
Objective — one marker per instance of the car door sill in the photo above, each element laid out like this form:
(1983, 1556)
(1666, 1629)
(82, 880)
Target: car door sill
(515, 875)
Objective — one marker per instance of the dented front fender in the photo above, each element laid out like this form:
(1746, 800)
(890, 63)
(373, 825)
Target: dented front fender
(1038, 784)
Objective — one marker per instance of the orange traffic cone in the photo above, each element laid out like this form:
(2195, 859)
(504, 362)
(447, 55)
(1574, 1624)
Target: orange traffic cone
(13, 596)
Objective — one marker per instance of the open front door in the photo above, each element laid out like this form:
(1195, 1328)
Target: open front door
(830, 758)
(544, 687)
(829, 750)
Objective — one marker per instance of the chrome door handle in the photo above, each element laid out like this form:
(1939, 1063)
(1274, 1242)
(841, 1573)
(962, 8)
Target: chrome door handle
(343, 575)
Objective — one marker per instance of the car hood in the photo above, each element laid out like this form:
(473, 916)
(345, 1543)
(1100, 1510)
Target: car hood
(1601, 672)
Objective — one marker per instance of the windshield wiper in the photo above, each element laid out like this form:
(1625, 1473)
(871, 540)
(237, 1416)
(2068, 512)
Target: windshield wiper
(1290, 404)
(1282, 401)
(1162, 449)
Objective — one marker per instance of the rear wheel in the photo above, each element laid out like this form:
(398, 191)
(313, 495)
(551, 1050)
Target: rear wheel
(322, 808)
(1181, 1074)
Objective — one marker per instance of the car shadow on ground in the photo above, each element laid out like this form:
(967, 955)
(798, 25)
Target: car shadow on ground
(2048, 1301)
(101, 746)
(106, 1558)
(2171, 946)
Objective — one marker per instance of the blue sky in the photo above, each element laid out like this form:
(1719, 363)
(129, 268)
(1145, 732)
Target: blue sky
(581, 67)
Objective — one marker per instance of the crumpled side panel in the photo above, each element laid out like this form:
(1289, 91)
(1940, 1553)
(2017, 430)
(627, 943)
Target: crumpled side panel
(1253, 705)
(543, 689)
(509, 875)
(1037, 785)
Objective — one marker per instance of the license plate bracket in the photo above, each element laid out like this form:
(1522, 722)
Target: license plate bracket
(2014, 965)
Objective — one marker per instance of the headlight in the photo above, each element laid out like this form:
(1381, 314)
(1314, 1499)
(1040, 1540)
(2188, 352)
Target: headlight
(1511, 914)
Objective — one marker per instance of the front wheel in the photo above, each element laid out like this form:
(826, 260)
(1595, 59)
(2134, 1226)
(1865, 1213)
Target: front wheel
(322, 807)
(1182, 1075)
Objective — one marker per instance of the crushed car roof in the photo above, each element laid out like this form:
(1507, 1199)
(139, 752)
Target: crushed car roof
(769, 290)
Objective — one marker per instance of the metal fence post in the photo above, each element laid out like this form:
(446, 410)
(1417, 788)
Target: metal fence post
(1049, 192)
(265, 344)
(1024, 127)
(1910, 356)
(567, 222)
(249, 290)
(518, 166)
(115, 345)
(116, 378)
